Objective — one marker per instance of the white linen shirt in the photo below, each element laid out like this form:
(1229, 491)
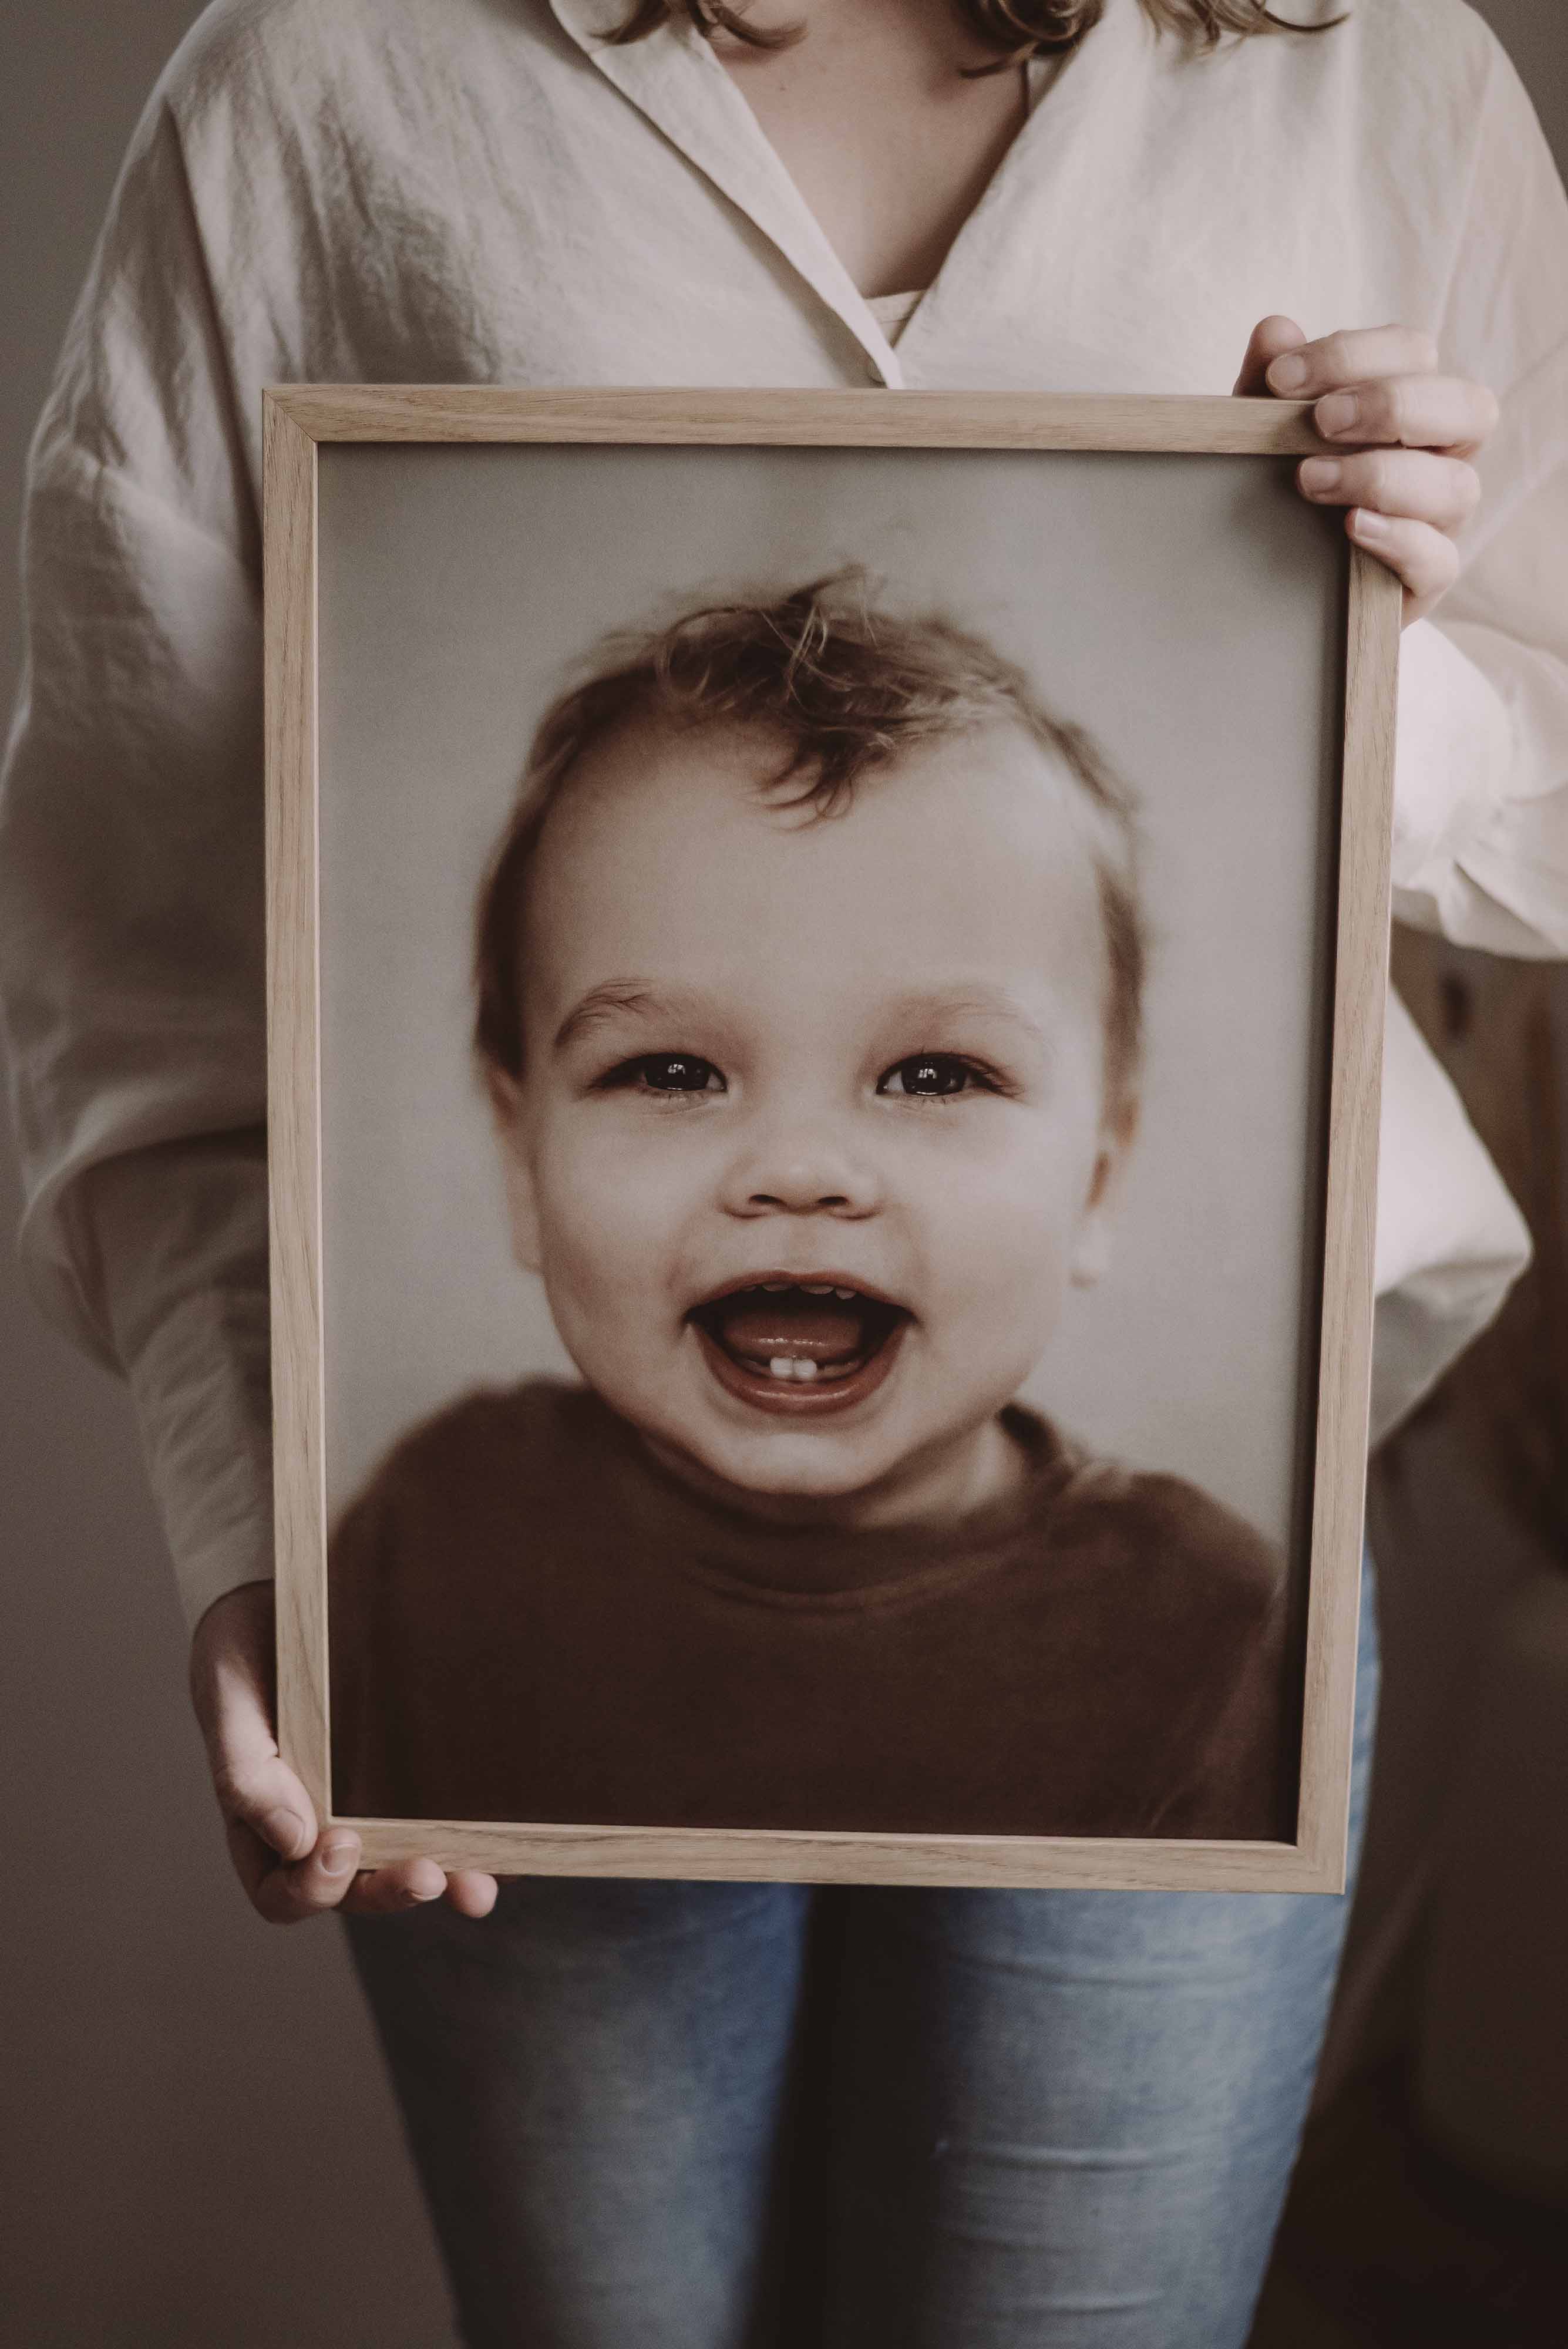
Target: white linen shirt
(481, 190)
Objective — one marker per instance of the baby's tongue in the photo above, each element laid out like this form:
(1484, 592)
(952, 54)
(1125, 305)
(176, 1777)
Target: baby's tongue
(802, 1329)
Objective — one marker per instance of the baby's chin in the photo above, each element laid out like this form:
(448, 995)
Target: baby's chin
(824, 1472)
(843, 1478)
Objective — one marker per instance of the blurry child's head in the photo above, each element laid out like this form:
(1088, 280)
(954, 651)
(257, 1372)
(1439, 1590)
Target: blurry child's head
(809, 973)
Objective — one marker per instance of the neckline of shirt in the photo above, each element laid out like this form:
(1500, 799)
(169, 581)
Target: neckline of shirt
(674, 79)
(893, 312)
(831, 1569)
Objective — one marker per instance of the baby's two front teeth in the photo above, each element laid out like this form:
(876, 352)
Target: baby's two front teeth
(783, 1367)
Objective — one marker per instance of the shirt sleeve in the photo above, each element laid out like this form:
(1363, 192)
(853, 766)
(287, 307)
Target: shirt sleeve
(132, 953)
(1481, 845)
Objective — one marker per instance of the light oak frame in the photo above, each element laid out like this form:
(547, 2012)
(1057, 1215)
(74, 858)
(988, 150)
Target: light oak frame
(296, 419)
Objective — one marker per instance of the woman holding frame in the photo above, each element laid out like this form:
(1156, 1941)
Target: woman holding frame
(1051, 2118)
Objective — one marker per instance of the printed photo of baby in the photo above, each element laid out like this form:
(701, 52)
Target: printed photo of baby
(810, 973)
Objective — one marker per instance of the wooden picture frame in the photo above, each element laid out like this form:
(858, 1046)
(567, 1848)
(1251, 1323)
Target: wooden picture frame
(299, 422)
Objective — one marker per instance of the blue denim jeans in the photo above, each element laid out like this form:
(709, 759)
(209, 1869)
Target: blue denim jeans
(673, 2115)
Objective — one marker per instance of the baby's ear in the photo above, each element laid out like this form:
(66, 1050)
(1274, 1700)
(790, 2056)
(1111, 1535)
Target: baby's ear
(521, 1206)
(505, 1096)
(1092, 1248)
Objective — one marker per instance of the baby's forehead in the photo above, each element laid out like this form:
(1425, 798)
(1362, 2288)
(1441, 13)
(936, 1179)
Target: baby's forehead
(994, 779)
(691, 851)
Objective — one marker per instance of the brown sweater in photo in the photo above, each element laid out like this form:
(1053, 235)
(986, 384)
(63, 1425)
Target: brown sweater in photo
(532, 1620)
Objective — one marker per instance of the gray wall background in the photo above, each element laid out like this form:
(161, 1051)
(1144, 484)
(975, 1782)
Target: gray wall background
(198, 2147)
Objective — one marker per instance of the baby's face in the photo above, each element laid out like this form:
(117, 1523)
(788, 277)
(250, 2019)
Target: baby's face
(812, 1137)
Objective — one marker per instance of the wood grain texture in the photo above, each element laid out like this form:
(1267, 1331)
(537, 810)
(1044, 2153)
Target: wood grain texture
(296, 418)
(1360, 991)
(736, 1856)
(294, 1098)
(1176, 423)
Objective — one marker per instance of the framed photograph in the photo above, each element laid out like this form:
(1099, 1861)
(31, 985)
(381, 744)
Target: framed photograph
(827, 956)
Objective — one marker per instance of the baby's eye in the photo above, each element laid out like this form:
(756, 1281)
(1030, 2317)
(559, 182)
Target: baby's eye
(931, 1076)
(669, 1072)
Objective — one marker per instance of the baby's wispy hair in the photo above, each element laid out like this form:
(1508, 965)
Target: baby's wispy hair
(842, 685)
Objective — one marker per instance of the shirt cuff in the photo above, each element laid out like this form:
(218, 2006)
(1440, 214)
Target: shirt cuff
(178, 1238)
(1454, 755)
(201, 1399)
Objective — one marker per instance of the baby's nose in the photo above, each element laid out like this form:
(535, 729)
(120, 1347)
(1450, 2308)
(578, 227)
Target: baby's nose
(798, 1195)
(801, 1172)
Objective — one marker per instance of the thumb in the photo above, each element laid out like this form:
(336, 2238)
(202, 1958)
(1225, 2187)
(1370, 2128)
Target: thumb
(263, 1794)
(1271, 338)
(254, 1786)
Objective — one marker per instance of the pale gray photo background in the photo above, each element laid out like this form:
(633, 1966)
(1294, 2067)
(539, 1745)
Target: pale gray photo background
(199, 2146)
(1188, 610)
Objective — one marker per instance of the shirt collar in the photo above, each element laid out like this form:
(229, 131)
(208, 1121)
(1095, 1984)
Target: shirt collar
(673, 78)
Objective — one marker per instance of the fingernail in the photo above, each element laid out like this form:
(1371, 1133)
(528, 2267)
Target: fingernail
(414, 1897)
(1289, 373)
(283, 1829)
(1320, 473)
(1368, 524)
(1339, 413)
(337, 1858)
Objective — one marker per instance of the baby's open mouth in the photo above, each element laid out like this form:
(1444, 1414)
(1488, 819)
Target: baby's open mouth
(809, 1344)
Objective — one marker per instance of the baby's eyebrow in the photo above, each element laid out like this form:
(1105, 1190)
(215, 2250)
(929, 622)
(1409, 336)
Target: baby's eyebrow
(971, 1000)
(618, 996)
(640, 999)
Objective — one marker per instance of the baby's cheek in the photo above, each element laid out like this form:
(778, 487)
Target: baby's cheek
(1008, 1282)
(1013, 1225)
(611, 1235)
